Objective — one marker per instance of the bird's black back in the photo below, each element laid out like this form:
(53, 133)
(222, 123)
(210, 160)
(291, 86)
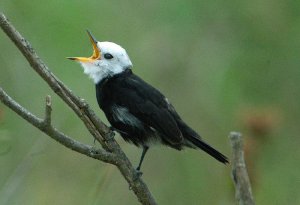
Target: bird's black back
(141, 114)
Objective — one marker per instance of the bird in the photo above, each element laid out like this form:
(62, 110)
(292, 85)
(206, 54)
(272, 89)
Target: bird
(140, 113)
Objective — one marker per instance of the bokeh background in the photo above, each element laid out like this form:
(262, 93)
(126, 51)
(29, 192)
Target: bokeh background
(225, 66)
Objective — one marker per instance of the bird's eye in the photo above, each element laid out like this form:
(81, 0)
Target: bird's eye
(108, 56)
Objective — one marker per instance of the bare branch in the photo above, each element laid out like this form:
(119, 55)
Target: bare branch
(38, 65)
(53, 132)
(239, 171)
(48, 110)
(95, 126)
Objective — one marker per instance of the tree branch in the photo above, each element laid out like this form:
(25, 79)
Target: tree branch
(46, 127)
(48, 110)
(240, 177)
(95, 126)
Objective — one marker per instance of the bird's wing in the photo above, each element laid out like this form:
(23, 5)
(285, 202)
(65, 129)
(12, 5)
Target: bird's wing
(151, 107)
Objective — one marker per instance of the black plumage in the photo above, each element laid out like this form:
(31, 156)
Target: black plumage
(135, 109)
(142, 115)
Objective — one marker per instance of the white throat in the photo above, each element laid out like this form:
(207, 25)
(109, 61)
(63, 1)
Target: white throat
(102, 68)
(96, 73)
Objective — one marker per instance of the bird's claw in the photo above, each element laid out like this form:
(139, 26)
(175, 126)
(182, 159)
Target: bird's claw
(110, 135)
(138, 174)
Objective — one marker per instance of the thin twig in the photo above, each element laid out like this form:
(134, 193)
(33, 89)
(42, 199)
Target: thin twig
(87, 150)
(40, 67)
(48, 110)
(239, 172)
(95, 126)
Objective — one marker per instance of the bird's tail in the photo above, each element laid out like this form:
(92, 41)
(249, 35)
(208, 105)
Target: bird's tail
(207, 148)
(195, 141)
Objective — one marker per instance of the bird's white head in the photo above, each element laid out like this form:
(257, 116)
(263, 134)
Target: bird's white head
(108, 59)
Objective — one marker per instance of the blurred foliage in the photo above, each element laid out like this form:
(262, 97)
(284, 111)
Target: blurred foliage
(225, 65)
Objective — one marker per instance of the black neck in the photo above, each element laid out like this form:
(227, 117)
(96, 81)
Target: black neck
(101, 83)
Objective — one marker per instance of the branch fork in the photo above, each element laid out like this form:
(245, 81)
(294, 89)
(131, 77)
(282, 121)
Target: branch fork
(111, 152)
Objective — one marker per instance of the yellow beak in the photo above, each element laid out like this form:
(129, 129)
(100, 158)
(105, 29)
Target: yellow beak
(96, 53)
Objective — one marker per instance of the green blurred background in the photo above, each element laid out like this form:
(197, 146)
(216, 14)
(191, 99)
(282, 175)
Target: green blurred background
(225, 66)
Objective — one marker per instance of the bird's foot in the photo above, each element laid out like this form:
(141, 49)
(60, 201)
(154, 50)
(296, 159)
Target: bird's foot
(136, 176)
(111, 134)
(138, 173)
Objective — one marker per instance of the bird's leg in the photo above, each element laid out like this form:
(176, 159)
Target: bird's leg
(138, 169)
(145, 149)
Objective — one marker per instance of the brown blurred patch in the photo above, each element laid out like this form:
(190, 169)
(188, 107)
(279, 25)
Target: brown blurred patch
(258, 124)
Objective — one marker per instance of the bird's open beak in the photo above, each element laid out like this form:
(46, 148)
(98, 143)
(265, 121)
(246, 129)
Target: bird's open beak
(96, 53)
